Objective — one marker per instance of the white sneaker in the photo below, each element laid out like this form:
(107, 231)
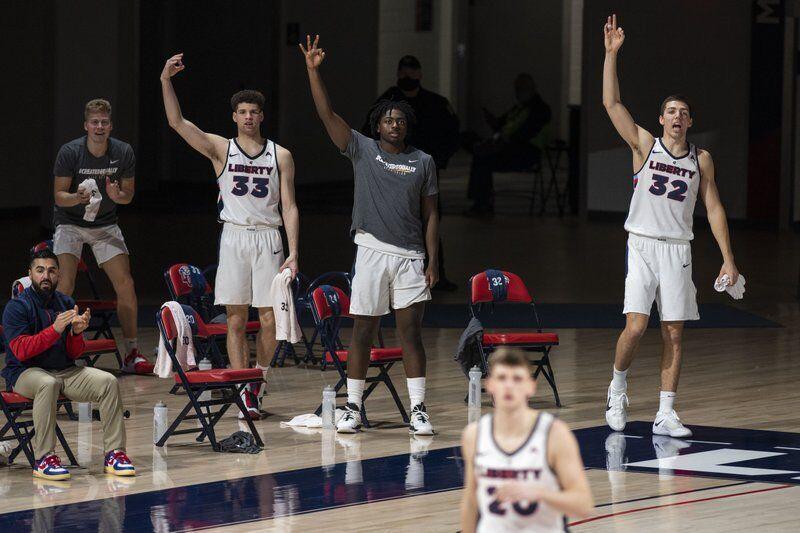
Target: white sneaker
(350, 422)
(670, 424)
(615, 452)
(420, 421)
(616, 417)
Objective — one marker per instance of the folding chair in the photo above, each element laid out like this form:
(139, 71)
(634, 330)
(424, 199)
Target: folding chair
(95, 347)
(328, 306)
(13, 406)
(337, 279)
(494, 286)
(103, 311)
(230, 382)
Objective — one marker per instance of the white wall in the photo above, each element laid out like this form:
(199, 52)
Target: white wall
(709, 50)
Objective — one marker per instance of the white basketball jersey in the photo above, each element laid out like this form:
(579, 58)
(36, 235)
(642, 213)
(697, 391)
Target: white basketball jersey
(664, 194)
(493, 467)
(249, 187)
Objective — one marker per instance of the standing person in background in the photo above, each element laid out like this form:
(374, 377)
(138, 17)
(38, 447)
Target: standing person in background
(93, 174)
(436, 132)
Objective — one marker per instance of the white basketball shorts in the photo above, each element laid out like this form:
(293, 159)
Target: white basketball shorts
(660, 270)
(107, 242)
(382, 279)
(249, 259)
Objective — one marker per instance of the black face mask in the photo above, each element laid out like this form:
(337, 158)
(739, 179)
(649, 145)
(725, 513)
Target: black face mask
(408, 84)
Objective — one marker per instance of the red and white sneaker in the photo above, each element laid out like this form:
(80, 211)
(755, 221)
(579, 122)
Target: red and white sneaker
(49, 467)
(135, 363)
(117, 463)
(250, 399)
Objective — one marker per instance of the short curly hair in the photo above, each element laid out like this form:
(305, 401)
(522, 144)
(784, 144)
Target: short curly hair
(382, 107)
(247, 96)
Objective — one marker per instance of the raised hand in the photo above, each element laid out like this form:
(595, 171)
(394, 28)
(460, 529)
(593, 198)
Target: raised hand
(314, 56)
(613, 36)
(81, 322)
(173, 65)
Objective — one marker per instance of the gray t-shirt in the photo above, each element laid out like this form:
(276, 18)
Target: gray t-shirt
(75, 160)
(389, 190)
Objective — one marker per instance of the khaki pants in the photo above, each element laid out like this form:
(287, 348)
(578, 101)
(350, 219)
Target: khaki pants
(81, 384)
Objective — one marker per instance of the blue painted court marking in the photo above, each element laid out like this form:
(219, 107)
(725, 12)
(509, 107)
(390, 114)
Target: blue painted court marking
(726, 453)
(252, 498)
(763, 456)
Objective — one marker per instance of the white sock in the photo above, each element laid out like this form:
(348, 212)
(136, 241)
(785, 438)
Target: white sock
(619, 380)
(355, 390)
(416, 390)
(666, 401)
(131, 344)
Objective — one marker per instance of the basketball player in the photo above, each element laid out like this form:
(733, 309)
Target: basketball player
(251, 188)
(669, 173)
(394, 217)
(93, 174)
(524, 470)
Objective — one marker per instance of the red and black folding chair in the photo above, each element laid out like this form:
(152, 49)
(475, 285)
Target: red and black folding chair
(328, 306)
(229, 382)
(103, 311)
(96, 347)
(13, 406)
(333, 278)
(495, 286)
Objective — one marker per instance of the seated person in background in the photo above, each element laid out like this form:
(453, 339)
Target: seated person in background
(44, 333)
(511, 147)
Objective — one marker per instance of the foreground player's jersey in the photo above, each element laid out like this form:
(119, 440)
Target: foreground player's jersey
(249, 187)
(664, 194)
(493, 467)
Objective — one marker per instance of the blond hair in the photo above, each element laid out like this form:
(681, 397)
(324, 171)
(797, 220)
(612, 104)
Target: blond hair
(512, 357)
(98, 105)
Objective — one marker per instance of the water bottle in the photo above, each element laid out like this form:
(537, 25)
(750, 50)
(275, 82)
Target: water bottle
(159, 421)
(205, 364)
(84, 412)
(474, 396)
(328, 407)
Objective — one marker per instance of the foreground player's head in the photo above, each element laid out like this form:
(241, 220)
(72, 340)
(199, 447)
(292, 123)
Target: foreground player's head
(97, 120)
(248, 111)
(675, 116)
(409, 73)
(392, 121)
(510, 381)
(44, 273)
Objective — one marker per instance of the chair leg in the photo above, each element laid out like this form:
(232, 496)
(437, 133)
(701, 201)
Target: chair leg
(547, 370)
(175, 423)
(388, 381)
(24, 439)
(238, 399)
(65, 445)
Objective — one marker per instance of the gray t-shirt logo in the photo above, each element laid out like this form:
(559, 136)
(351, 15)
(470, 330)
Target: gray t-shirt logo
(397, 168)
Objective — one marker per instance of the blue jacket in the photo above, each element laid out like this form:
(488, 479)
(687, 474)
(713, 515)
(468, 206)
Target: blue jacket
(28, 314)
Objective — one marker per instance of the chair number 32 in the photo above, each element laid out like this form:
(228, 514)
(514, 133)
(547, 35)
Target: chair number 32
(498, 281)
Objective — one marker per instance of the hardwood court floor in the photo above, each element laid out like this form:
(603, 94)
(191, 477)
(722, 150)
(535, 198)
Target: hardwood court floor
(738, 378)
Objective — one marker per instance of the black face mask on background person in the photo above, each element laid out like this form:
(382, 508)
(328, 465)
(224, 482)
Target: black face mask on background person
(408, 84)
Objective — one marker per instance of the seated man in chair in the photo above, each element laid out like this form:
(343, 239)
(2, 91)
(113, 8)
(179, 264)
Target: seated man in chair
(44, 333)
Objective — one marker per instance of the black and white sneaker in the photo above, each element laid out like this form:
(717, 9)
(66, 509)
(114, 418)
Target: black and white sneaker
(420, 423)
(350, 421)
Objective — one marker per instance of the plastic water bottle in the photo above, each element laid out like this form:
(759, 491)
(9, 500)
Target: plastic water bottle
(328, 407)
(84, 412)
(159, 421)
(474, 396)
(204, 364)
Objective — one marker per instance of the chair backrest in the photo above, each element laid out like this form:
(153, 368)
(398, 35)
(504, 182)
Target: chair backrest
(334, 278)
(492, 286)
(169, 330)
(184, 279)
(328, 302)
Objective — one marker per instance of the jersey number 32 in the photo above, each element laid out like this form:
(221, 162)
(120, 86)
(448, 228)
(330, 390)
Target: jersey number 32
(659, 187)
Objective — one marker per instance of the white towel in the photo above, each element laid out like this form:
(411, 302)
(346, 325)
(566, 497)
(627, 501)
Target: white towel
(90, 185)
(184, 348)
(286, 326)
(736, 290)
(25, 282)
(310, 420)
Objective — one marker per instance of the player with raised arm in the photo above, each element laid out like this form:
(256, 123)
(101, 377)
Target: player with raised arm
(255, 177)
(669, 174)
(523, 468)
(395, 216)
